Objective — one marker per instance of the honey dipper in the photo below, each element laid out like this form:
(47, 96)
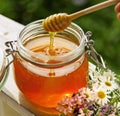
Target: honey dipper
(59, 22)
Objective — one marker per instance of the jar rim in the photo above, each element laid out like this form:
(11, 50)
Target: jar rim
(22, 50)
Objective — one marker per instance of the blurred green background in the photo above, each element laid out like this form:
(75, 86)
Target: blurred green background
(103, 24)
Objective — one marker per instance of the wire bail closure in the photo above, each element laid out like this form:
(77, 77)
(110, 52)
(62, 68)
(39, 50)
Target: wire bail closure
(10, 50)
(92, 53)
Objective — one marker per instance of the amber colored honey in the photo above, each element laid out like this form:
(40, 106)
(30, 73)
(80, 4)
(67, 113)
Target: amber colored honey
(47, 91)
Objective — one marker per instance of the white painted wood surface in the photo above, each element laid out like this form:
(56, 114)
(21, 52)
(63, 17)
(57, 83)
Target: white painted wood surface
(9, 96)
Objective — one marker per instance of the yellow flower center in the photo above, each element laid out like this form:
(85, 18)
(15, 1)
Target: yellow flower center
(87, 95)
(108, 84)
(101, 94)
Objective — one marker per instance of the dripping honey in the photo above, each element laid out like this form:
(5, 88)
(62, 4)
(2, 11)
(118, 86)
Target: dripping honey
(36, 83)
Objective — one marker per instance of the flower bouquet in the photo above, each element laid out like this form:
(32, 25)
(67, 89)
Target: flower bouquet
(101, 97)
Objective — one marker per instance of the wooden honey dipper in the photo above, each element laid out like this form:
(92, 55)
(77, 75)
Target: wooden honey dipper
(59, 22)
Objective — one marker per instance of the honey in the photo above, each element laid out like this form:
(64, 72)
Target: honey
(45, 87)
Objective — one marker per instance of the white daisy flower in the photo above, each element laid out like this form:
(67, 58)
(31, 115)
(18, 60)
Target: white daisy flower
(88, 93)
(109, 75)
(107, 81)
(109, 85)
(101, 96)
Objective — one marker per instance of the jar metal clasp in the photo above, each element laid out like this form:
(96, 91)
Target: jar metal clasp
(10, 50)
(92, 53)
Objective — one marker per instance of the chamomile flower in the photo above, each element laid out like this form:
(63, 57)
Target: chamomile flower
(101, 96)
(108, 84)
(107, 81)
(88, 93)
(109, 74)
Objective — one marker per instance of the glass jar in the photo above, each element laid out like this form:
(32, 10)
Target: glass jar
(44, 79)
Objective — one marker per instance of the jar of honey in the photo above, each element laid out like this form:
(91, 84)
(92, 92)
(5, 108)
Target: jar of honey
(46, 74)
